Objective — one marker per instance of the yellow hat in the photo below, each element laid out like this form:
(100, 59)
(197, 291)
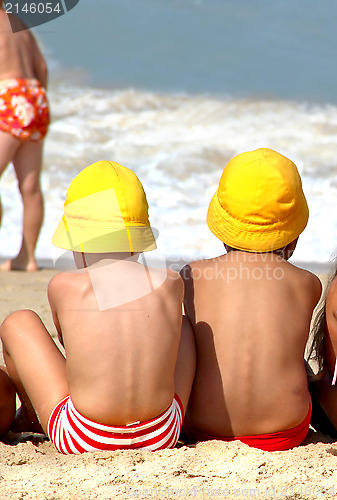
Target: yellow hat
(259, 205)
(105, 211)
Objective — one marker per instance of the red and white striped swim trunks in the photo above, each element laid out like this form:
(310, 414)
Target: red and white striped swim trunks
(71, 432)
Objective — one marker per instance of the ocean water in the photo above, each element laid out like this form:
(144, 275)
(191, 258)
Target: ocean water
(175, 88)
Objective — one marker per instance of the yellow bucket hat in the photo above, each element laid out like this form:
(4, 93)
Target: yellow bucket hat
(105, 211)
(259, 205)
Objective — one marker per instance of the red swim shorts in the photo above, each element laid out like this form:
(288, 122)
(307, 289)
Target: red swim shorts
(24, 110)
(275, 441)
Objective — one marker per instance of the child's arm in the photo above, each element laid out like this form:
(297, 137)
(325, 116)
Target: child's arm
(186, 274)
(322, 390)
(316, 288)
(52, 294)
(331, 324)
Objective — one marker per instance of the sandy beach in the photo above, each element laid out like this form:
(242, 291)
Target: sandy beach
(35, 470)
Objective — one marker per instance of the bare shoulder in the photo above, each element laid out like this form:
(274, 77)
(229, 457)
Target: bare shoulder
(18, 26)
(194, 270)
(310, 283)
(186, 272)
(314, 281)
(63, 283)
(11, 23)
(59, 279)
(4, 22)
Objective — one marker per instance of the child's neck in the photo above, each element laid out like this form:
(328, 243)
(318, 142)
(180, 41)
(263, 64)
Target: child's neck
(84, 260)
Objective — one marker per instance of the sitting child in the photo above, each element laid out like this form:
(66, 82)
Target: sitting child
(324, 351)
(130, 359)
(250, 310)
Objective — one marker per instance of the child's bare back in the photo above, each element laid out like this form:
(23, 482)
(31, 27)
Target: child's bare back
(120, 323)
(251, 322)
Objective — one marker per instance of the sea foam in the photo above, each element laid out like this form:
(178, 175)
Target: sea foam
(178, 145)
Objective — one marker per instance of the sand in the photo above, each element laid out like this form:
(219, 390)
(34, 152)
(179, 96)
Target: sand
(212, 470)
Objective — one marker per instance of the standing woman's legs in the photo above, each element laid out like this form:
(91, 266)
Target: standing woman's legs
(27, 162)
(8, 147)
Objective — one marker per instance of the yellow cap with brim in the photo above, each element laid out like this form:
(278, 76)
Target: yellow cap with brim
(105, 211)
(259, 205)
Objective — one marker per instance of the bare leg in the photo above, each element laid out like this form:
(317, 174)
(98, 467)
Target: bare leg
(27, 162)
(7, 402)
(186, 363)
(35, 365)
(8, 147)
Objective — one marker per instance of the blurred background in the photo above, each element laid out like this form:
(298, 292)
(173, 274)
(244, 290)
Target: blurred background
(175, 88)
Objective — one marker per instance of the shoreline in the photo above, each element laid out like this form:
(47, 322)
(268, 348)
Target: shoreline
(177, 264)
